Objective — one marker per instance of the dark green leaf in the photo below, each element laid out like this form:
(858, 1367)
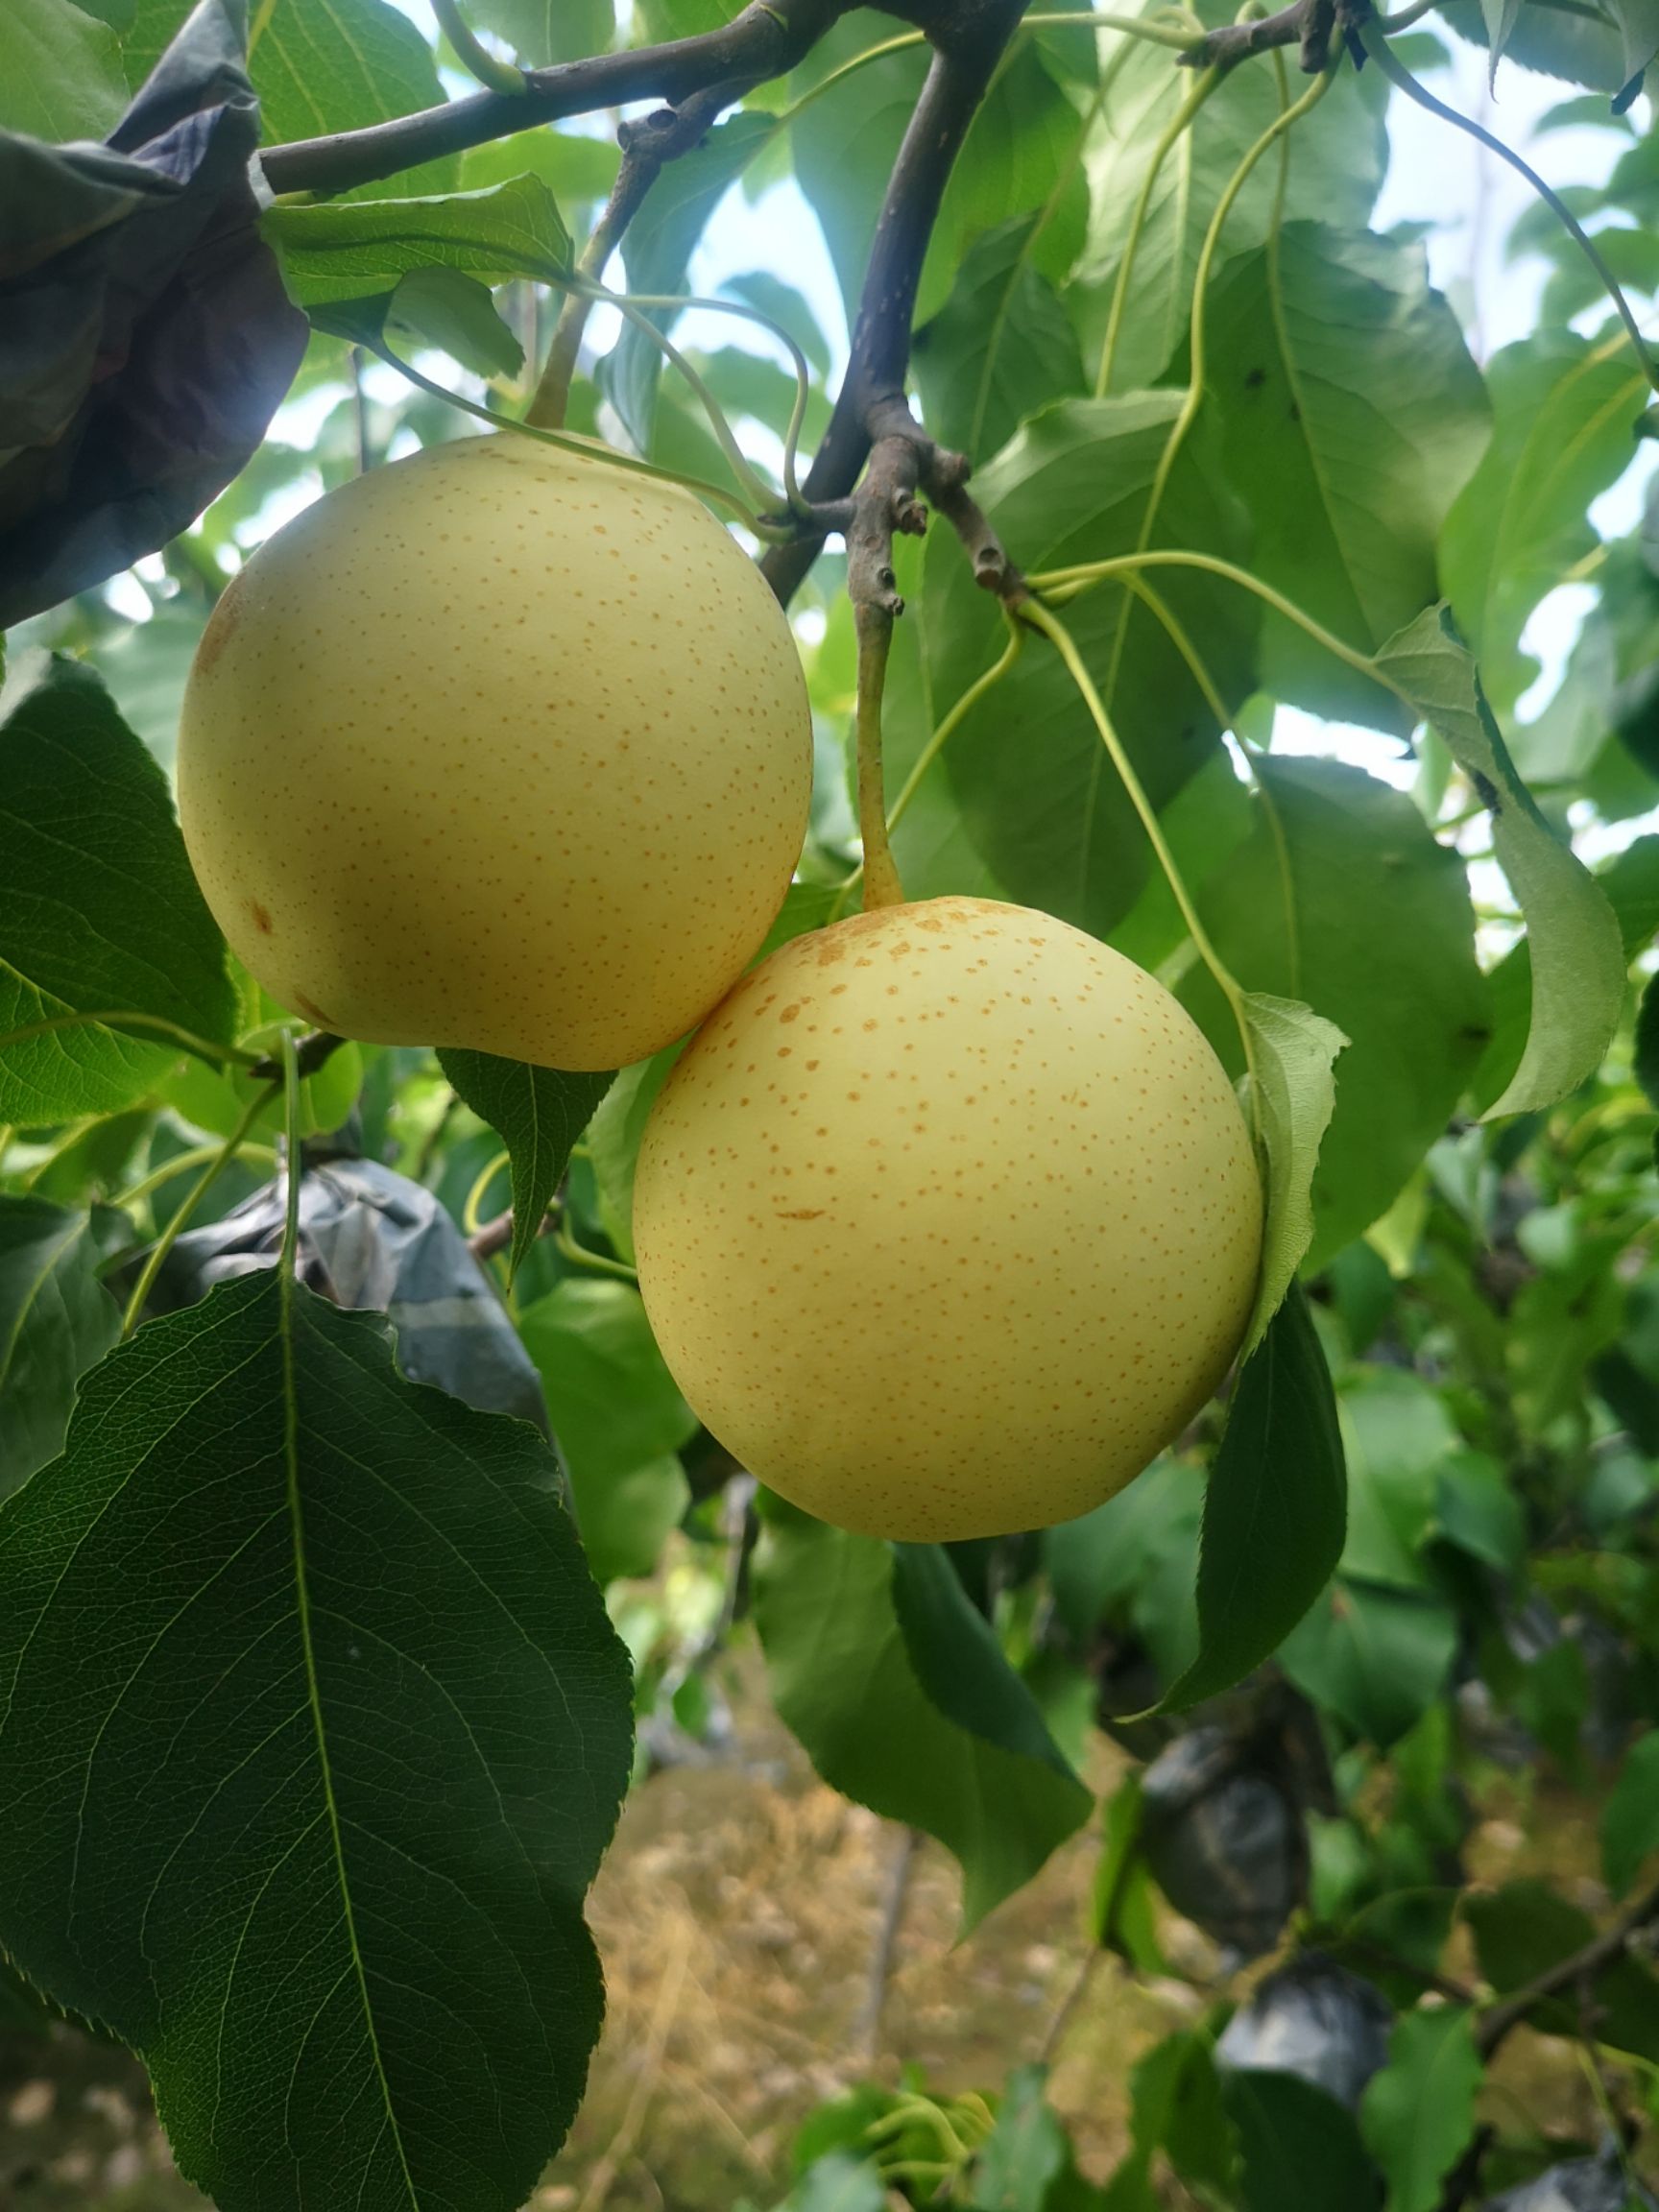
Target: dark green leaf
(844, 1682)
(656, 251)
(326, 65)
(1418, 2114)
(1373, 1656)
(1275, 1510)
(359, 249)
(1525, 1928)
(1328, 842)
(1297, 2146)
(55, 1320)
(1479, 1512)
(315, 1810)
(958, 1661)
(617, 1416)
(537, 1112)
(1048, 815)
(1352, 414)
(1578, 959)
(998, 350)
(1630, 1817)
(1564, 412)
(99, 911)
(59, 71)
(1176, 2106)
(1644, 1065)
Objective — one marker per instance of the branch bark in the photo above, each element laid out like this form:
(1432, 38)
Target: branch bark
(967, 52)
(1306, 23)
(765, 40)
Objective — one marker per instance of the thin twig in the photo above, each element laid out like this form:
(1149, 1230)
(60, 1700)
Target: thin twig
(867, 2033)
(1577, 1966)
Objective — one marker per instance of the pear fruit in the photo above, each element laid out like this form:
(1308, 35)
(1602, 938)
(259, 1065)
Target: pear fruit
(948, 1221)
(499, 746)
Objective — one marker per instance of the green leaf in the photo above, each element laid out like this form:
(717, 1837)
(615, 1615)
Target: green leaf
(786, 307)
(1630, 1817)
(538, 33)
(1293, 1054)
(618, 1418)
(576, 169)
(1176, 2107)
(326, 65)
(1297, 2146)
(1026, 2163)
(1122, 1916)
(55, 1321)
(844, 143)
(1563, 415)
(1275, 1510)
(99, 911)
(359, 249)
(1351, 413)
(656, 251)
(1376, 1657)
(1337, 159)
(443, 308)
(1578, 956)
(1049, 815)
(1418, 2114)
(998, 350)
(844, 1682)
(838, 2182)
(537, 1112)
(1135, 1555)
(1329, 842)
(59, 71)
(1019, 161)
(308, 1823)
(1398, 1439)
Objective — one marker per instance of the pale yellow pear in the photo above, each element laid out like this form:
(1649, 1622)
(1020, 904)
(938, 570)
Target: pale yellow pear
(499, 746)
(948, 1221)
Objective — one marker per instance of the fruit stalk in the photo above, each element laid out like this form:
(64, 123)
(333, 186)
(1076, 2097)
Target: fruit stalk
(873, 625)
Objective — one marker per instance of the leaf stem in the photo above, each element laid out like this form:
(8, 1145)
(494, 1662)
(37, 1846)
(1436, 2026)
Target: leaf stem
(1054, 630)
(1068, 583)
(875, 631)
(1173, 132)
(181, 1164)
(1377, 46)
(187, 1206)
(294, 1159)
(121, 1018)
(495, 75)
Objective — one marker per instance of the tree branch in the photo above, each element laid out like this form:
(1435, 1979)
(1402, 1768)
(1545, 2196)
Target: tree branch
(1306, 23)
(1579, 1966)
(765, 40)
(968, 50)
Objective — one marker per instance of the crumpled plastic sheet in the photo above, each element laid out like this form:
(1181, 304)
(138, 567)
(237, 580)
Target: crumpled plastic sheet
(371, 1237)
(1315, 2020)
(146, 338)
(1224, 1839)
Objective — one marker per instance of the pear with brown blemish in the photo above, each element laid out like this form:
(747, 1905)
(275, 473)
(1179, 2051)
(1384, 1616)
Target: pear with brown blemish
(948, 1221)
(499, 746)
